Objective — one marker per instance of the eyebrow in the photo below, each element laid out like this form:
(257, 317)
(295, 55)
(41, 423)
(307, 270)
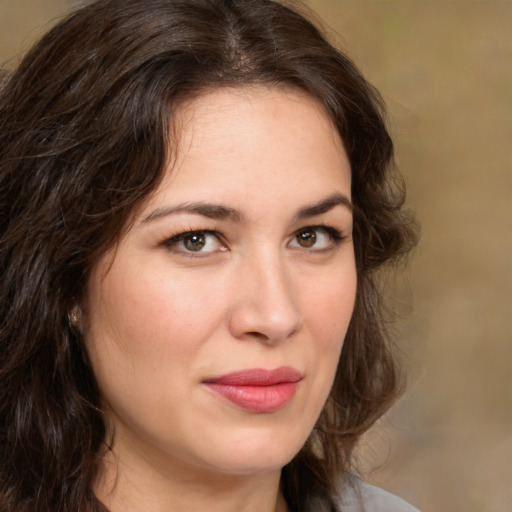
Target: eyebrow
(216, 211)
(213, 211)
(324, 206)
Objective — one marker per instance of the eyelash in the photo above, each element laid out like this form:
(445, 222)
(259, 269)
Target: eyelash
(334, 234)
(174, 240)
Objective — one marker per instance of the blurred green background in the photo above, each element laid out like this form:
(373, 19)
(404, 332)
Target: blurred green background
(445, 71)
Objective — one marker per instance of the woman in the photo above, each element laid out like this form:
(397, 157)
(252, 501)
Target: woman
(195, 199)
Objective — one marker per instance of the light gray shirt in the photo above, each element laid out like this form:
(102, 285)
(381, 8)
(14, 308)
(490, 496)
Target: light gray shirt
(356, 496)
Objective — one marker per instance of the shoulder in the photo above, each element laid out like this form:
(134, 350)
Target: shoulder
(357, 496)
(353, 495)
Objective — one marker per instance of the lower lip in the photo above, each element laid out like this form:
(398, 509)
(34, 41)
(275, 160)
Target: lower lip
(257, 399)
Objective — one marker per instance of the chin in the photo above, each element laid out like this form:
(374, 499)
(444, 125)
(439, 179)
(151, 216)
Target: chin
(260, 452)
(264, 463)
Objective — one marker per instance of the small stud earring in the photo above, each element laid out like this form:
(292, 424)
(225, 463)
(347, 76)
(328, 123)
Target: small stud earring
(75, 319)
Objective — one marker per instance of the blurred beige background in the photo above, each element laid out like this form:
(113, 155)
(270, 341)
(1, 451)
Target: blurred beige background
(445, 71)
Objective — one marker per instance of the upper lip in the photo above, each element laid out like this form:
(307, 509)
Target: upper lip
(258, 377)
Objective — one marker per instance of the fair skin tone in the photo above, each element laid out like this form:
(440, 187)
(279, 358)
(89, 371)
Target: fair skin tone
(240, 262)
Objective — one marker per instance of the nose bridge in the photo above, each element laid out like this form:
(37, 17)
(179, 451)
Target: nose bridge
(265, 305)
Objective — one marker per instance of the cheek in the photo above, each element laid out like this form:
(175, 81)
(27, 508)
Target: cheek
(327, 314)
(143, 320)
(328, 307)
(143, 336)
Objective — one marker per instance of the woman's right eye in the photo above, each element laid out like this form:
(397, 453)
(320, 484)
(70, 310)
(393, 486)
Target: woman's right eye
(195, 242)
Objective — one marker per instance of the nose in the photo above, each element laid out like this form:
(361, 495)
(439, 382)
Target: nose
(265, 303)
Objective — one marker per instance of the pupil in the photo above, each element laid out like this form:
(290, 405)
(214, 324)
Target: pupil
(195, 242)
(307, 238)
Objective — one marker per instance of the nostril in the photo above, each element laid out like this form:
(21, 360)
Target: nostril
(269, 339)
(256, 334)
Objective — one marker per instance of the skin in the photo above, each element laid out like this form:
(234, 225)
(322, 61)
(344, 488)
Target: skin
(267, 289)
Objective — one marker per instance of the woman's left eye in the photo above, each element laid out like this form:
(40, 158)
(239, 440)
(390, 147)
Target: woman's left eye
(195, 242)
(316, 238)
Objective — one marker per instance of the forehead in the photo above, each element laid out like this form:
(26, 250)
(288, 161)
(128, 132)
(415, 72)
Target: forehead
(223, 112)
(251, 130)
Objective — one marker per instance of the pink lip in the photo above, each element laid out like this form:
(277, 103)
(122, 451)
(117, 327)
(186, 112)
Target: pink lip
(257, 390)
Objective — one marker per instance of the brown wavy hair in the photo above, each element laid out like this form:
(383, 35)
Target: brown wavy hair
(84, 138)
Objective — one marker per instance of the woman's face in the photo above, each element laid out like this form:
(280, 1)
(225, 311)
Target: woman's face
(215, 326)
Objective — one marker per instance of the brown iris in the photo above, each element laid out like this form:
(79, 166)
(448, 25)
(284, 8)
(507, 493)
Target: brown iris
(306, 238)
(194, 242)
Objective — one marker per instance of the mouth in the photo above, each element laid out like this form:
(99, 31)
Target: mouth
(257, 390)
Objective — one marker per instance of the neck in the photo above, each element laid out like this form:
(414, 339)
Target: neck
(135, 485)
